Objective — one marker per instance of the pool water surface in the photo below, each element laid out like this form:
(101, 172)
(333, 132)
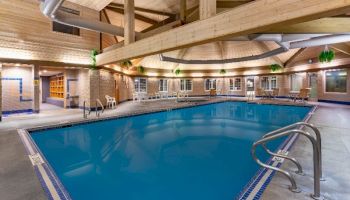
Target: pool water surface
(201, 152)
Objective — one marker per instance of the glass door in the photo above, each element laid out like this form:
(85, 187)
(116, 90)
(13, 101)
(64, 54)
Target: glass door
(313, 86)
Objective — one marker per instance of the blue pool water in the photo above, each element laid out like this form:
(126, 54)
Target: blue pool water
(201, 152)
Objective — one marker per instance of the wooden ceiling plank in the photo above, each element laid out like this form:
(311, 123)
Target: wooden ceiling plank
(235, 22)
(342, 48)
(230, 4)
(262, 45)
(93, 4)
(293, 57)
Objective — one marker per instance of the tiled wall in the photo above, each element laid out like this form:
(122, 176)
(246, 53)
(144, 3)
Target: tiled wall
(17, 89)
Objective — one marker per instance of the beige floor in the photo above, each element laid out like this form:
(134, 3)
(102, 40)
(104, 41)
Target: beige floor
(18, 181)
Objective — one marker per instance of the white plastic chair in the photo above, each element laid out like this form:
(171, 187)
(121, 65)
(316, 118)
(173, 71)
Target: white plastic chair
(111, 102)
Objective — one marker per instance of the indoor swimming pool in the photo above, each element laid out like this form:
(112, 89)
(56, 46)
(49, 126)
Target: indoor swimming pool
(201, 152)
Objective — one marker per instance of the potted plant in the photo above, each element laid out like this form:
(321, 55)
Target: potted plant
(275, 67)
(126, 63)
(326, 55)
(222, 71)
(177, 71)
(93, 55)
(140, 69)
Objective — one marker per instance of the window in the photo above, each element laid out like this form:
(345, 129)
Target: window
(62, 28)
(140, 85)
(236, 84)
(186, 85)
(210, 84)
(163, 85)
(336, 81)
(269, 82)
(296, 82)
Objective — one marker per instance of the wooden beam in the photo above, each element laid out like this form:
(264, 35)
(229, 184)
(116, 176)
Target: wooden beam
(183, 9)
(129, 22)
(117, 5)
(160, 29)
(235, 22)
(207, 8)
(137, 16)
(344, 48)
(181, 54)
(293, 57)
(324, 25)
(230, 4)
(109, 22)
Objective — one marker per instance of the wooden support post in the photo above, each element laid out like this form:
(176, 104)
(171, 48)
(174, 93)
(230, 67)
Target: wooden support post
(183, 9)
(129, 22)
(207, 8)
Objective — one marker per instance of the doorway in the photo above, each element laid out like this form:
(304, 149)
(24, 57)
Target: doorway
(313, 85)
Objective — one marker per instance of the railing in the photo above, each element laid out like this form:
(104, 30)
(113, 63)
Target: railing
(98, 113)
(84, 111)
(317, 154)
(98, 102)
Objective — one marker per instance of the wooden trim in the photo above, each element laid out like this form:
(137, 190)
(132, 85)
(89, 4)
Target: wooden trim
(42, 63)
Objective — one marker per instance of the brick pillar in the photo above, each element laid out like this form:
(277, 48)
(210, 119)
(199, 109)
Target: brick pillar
(94, 76)
(36, 91)
(0, 92)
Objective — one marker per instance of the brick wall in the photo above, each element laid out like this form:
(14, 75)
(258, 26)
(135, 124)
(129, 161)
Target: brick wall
(17, 88)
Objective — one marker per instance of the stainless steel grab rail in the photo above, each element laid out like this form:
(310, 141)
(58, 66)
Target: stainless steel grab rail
(316, 156)
(103, 109)
(293, 160)
(315, 130)
(84, 111)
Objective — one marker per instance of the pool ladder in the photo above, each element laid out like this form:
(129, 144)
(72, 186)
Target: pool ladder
(98, 113)
(317, 154)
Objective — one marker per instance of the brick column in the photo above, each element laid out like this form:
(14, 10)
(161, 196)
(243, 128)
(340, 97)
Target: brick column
(36, 91)
(0, 92)
(94, 76)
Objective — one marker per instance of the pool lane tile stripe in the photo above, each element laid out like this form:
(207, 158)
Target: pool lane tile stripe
(258, 184)
(51, 184)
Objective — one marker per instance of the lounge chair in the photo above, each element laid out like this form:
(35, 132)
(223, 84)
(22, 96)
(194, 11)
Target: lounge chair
(260, 92)
(303, 95)
(275, 92)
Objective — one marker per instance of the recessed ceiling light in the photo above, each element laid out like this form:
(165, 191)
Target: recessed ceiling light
(45, 71)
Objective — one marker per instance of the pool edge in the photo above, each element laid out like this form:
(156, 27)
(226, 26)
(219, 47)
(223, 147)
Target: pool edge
(257, 185)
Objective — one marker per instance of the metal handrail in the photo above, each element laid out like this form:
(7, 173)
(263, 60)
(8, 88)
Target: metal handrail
(315, 130)
(84, 111)
(293, 160)
(316, 160)
(103, 109)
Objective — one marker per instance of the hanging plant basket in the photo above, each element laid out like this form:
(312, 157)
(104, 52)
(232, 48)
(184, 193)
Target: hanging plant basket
(326, 55)
(177, 71)
(93, 55)
(141, 69)
(126, 63)
(222, 71)
(275, 67)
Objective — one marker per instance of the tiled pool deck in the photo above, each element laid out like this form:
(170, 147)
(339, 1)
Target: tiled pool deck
(18, 180)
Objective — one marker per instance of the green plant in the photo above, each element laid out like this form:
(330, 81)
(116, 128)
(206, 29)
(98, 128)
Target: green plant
(93, 55)
(177, 71)
(326, 56)
(222, 71)
(275, 67)
(140, 69)
(126, 63)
